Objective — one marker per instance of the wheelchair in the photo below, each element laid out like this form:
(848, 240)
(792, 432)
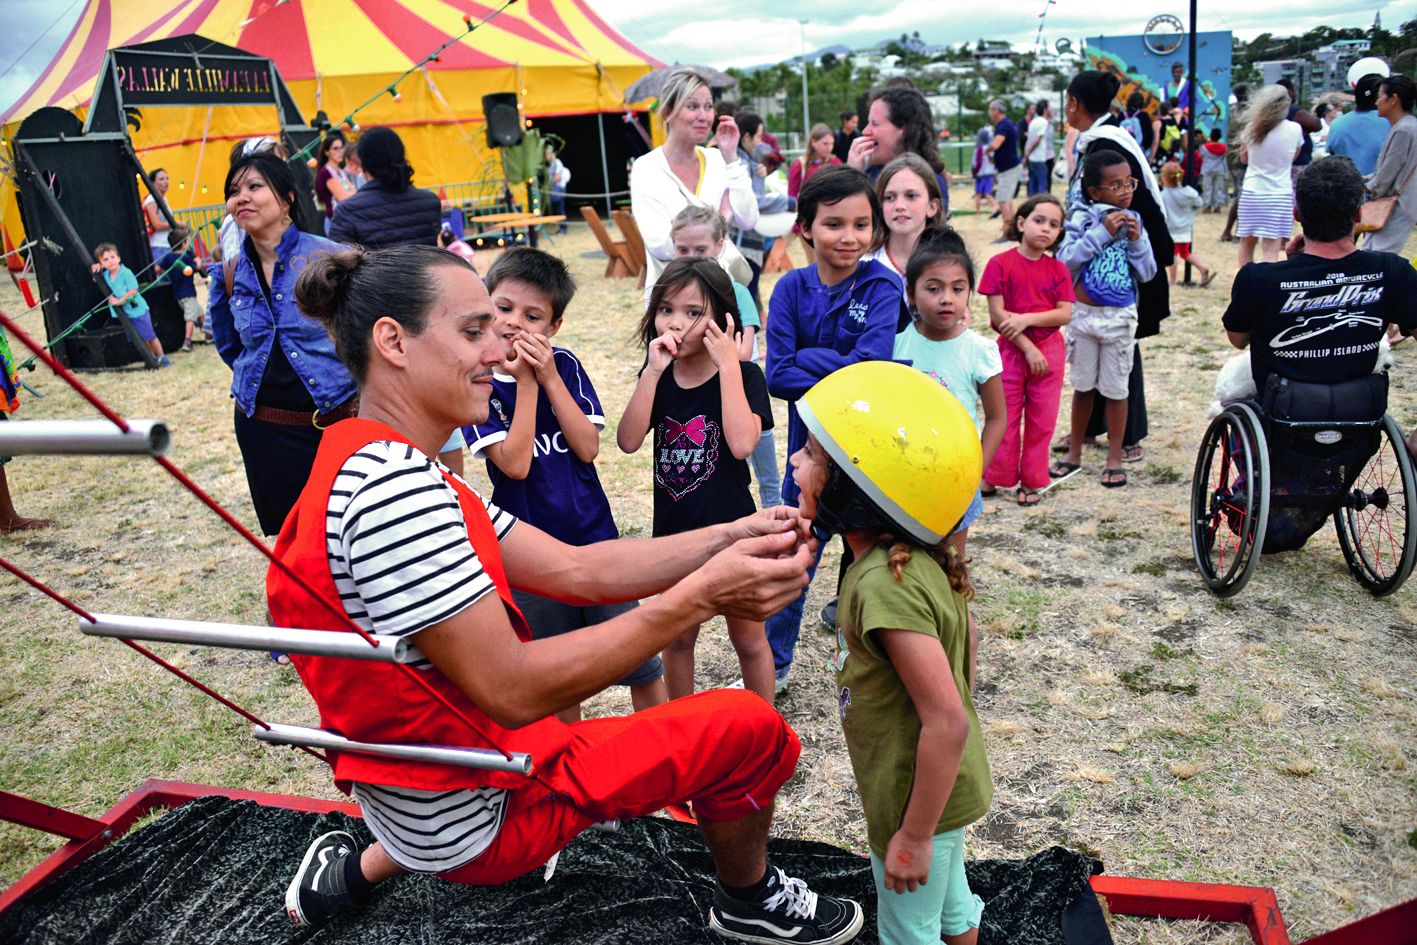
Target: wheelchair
(1271, 472)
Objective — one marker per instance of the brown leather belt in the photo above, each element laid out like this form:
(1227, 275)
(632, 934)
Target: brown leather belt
(300, 418)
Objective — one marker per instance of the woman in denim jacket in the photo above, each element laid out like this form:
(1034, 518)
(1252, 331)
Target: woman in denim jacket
(287, 382)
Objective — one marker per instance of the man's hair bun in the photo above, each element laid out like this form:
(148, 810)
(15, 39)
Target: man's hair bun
(324, 284)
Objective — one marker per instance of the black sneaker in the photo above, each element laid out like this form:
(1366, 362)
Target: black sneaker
(828, 616)
(318, 892)
(792, 913)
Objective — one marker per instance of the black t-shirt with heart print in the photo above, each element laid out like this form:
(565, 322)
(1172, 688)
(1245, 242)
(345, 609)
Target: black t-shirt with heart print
(697, 480)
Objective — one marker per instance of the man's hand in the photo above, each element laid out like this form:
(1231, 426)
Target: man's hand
(907, 862)
(1295, 246)
(756, 577)
(774, 521)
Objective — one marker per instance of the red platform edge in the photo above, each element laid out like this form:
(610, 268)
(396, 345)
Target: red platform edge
(1255, 906)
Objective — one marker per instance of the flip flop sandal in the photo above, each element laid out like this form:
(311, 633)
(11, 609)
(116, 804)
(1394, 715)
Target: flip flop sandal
(1114, 478)
(1131, 454)
(1028, 497)
(989, 493)
(1061, 469)
(1209, 278)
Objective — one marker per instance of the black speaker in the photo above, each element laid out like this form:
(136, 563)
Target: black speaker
(504, 121)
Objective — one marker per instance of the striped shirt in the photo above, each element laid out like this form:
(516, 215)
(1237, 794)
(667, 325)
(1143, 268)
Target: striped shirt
(401, 562)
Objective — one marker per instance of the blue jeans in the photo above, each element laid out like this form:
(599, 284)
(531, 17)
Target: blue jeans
(764, 460)
(784, 626)
(1037, 177)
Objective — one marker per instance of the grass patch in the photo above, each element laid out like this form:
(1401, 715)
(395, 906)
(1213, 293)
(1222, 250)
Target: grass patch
(1154, 568)
(1141, 681)
(1046, 527)
(1163, 475)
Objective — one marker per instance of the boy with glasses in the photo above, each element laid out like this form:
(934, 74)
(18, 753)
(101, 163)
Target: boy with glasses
(1109, 254)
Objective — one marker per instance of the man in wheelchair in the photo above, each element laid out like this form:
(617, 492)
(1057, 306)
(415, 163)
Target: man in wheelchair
(1314, 325)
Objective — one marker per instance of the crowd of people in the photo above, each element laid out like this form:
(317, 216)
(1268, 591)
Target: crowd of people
(367, 364)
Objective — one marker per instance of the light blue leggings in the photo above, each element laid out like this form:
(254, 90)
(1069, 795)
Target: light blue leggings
(944, 905)
(764, 460)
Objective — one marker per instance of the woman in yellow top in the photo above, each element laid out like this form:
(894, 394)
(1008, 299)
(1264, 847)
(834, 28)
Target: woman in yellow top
(680, 172)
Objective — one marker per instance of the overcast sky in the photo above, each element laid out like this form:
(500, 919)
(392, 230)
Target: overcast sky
(748, 32)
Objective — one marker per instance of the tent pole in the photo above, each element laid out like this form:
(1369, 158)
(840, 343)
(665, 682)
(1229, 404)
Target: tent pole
(604, 165)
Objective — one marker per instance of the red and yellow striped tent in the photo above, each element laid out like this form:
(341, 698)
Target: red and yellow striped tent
(559, 56)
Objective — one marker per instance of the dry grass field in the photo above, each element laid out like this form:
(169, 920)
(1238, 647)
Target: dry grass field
(1267, 739)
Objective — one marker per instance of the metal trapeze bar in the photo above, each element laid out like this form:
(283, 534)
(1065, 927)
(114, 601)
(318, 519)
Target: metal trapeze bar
(83, 438)
(391, 649)
(483, 758)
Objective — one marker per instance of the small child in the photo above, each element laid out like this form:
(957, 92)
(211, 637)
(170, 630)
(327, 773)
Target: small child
(178, 266)
(448, 240)
(1108, 252)
(842, 309)
(700, 231)
(1030, 299)
(1213, 173)
(984, 170)
(940, 280)
(1181, 202)
(540, 440)
(707, 410)
(904, 670)
(123, 294)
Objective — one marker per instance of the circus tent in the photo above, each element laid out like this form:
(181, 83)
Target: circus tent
(558, 56)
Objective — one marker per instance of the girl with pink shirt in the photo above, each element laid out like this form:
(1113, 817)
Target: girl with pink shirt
(1030, 298)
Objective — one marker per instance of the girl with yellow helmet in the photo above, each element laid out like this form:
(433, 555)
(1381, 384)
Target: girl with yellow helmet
(892, 462)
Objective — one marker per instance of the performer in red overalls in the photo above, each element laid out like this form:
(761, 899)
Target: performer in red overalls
(405, 547)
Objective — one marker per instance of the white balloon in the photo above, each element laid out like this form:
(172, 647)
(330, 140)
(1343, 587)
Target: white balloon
(1368, 65)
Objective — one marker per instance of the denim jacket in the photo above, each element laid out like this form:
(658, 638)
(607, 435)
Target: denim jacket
(244, 326)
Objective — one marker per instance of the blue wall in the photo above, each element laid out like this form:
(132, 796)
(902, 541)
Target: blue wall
(1140, 68)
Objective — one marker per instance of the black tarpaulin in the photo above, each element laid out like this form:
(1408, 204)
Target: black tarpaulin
(215, 871)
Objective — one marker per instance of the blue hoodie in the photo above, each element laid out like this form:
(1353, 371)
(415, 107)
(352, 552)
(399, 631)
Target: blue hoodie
(813, 330)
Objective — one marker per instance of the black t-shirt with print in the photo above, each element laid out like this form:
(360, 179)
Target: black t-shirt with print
(1320, 320)
(697, 480)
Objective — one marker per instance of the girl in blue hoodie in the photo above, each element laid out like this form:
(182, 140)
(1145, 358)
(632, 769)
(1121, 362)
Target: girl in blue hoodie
(838, 311)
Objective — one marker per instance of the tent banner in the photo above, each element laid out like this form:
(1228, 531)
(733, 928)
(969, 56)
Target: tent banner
(165, 79)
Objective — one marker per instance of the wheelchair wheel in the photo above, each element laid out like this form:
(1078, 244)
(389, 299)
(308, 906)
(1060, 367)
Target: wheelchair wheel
(1230, 500)
(1375, 523)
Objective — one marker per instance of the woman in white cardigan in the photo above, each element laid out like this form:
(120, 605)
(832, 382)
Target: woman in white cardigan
(680, 172)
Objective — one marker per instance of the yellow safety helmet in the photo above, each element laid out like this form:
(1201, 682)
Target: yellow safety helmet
(902, 439)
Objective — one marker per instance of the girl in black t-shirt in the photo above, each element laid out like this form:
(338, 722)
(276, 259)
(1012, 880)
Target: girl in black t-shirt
(707, 410)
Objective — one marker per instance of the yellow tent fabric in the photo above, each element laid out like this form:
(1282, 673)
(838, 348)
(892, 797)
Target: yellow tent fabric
(558, 56)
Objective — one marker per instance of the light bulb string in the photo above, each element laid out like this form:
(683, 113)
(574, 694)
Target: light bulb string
(392, 87)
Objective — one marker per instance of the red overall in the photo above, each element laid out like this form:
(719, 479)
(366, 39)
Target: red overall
(727, 751)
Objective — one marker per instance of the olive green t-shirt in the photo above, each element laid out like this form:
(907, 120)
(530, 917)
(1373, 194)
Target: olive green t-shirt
(877, 714)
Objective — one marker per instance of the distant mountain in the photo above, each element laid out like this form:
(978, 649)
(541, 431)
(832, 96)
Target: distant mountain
(837, 50)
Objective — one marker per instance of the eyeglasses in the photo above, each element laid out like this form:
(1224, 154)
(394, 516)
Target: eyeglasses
(1121, 187)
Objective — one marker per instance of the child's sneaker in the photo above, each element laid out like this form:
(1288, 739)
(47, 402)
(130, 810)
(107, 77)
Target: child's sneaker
(164, 361)
(791, 913)
(318, 892)
(187, 346)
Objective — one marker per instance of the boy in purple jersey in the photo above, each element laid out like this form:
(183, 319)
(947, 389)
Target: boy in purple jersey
(540, 440)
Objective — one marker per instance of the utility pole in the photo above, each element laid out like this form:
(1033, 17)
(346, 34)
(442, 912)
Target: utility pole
(806, 121)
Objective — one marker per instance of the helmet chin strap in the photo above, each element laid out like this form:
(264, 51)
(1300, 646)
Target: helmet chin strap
(843, 507)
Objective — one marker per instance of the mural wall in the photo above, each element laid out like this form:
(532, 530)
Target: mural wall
(1142, 69)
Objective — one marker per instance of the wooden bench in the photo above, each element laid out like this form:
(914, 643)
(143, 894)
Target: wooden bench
(620, 263)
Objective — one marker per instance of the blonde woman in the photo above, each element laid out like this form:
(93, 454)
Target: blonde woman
(680, 172)
(1270, 143)
(817, 156)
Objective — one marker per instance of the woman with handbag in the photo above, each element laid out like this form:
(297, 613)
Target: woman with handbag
(1389, 216)
(1270, 143)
